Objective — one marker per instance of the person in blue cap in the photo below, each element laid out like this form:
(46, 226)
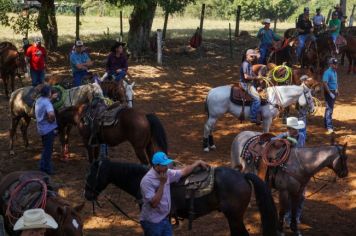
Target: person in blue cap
(156, 195)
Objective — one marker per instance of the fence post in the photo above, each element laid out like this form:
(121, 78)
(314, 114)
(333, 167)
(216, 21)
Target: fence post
(77, 22)
(121, 27)
(159, 47)
(230, 39)
(237, 26)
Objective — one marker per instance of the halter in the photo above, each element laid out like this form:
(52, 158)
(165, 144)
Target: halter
(342, 156)
(305, 92)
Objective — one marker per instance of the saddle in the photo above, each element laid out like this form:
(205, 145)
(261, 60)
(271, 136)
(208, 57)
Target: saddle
(30, 97)
(184, 193)
(110, 116)
(26, 193)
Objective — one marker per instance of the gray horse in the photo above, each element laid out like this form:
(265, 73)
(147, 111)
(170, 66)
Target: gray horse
(291, 179)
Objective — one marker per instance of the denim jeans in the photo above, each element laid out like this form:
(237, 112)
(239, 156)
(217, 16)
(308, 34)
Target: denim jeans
(302, 115)
(263, 54)
(328, 119)
(256, 102)
(78, 76)
(46, 157)
(103, 152)
(163, 228)
(37, 76)
(118, 76)
(302, 38)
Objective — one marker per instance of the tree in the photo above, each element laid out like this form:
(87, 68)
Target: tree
(47, 23)
(141, 20)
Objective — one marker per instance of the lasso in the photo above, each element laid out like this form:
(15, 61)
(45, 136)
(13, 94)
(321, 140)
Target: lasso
(286, 76)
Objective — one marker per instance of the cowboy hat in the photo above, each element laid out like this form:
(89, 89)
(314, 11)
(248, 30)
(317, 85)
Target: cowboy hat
(294, 123)
(266, 21)
(35, 219)
(252, 52)
(79, 43)
(337, 6)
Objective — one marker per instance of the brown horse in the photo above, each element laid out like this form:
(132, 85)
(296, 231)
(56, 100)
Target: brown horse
(67, 217)
(285, 53)
(10, 62)
(145, 132)
(350, 51)
(290, 178)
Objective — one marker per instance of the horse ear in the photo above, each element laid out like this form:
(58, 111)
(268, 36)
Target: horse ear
(62, 210)
(78, 208)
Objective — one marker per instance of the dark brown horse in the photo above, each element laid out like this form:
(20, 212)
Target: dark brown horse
(10, 62)
(145, 132)
(67, 217)
(231, 194)
(285, 53)
(350, 51)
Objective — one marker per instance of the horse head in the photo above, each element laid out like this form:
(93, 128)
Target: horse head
(129, 93)
(97, 179)
(306, 98)
(67, 217)
(339, 164)
(21, 63)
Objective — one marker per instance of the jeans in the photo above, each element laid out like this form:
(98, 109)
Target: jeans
(263, 54)
(37, 76)
(103, 152)
(118, 76)
(302, 115)
(46, 162)
(256, 102)
(78, 76)
(328, 119)
(163, 228)
(302, 38)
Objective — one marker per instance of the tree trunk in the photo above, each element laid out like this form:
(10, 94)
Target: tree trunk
(275, 24)
(140, 27)
(48, 24)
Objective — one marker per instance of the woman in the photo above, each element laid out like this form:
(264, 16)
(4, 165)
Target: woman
(34, 222)
(116, 65)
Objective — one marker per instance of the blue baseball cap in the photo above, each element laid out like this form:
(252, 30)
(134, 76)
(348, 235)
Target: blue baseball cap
(160, 158)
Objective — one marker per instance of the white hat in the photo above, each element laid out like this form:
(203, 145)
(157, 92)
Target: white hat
(35, 219)
(79, 43)
(38, 40)
(294, 123)
(266, 21)
(252, 52)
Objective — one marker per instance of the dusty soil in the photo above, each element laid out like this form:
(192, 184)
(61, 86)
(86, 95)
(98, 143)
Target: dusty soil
(176, 93)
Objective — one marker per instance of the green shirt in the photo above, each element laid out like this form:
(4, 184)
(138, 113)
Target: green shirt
(335, 23)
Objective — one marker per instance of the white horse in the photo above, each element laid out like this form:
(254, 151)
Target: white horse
(218, 103)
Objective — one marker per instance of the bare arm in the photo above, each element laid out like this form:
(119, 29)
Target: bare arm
(189, 169)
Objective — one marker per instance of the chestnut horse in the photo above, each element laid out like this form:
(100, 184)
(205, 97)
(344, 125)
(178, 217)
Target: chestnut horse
(67, 217)
(10, 62)
(145, 132)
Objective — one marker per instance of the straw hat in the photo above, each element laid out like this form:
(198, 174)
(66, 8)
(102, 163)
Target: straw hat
(35, 219)
(294, 123)
(266, 21)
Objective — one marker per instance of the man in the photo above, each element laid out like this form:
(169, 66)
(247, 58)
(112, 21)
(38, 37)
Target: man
(330, 93)
(79, 61)
(34, 222)
(36, 55)
(46, 125)
(339, 12)
(116, 65)
(334, 27)
(155, 189)
(318, 21)
(247, 81)
(266, 36)
(295, 135)
(305, 28)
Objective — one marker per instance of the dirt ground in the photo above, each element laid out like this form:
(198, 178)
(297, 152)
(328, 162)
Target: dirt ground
(176, 93)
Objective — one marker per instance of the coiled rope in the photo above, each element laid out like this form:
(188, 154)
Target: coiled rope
(276, 161)
(287, 75)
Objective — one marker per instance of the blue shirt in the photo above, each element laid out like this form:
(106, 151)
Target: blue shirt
(300, 140)
(78, 58)
(246, 68)
(42, 107)
(330, 77)
(267, 36)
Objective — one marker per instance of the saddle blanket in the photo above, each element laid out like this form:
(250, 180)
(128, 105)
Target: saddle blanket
(110, 116)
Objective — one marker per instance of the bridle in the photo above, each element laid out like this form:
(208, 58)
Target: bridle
(308, 98)
(342, 156)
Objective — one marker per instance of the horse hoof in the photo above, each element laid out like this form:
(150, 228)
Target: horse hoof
(206, 149)
(12, 152)
(213, 147)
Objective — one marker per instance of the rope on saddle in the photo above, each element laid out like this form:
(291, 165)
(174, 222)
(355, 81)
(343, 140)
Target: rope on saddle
(276, 161)
(317, 105)
(14, 211)
(281, 79)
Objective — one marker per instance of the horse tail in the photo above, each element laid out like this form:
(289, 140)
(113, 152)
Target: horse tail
(265, 205)
(158, 132)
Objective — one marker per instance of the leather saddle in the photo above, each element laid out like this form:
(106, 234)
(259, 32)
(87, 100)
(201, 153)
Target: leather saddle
(110, 116)
(188, 189)
(239, 96)
(30, 97)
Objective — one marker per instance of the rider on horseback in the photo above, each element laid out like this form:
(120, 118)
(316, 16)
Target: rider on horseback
(334, 26)
(79, 61)
(267, 36)
(305, 28)
(318, 22)
(247, 82)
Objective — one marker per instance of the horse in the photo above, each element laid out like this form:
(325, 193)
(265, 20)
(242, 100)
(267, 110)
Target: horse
(316, 52)
(351, 52)
(10, 62)
(113, 90)
(145, 132)
(291, 179)
(22, 102)
(231, 193)
(67, 217)
(218, 102)
(286, 53)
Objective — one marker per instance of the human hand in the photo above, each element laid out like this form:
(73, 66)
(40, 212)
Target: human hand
(54, 95)
(332, 95)
(202, 164)
(163, 177)
(118, 70)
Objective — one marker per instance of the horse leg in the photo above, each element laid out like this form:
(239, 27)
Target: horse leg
(295, 201)
(12, 81)
(236, 224)
(64, 139)
(5, 77)
(24, 126)
(93, 153)
(208, 133)
(14, 123)
(141, 155)
(283, 207)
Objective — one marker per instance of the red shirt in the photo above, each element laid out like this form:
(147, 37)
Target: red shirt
(37, 56)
